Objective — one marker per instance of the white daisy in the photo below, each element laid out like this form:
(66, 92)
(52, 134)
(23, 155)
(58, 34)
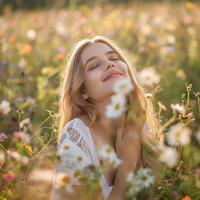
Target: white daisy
(123, 86)
(78, 173)
(168, 155)
(117, 107)
(5, 107)
(130, 176)
(177, 107)
(178, 134)
(144, 177)
(149, 76)
(24, 122)
(60, 28)
(71, 156)
(107, 156)
(134, 186)
(64, 181)
(66, 147)
(136, 182)
(31, 34)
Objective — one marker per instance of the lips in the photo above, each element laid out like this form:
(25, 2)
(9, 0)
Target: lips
(112, 73)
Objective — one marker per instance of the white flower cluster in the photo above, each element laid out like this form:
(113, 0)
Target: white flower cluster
(118, 105)
(148, 77)
(179, 108)
(108, 158)
(178, 134)
(136, 182)
(168, 155)
(60, 29)
(64, 181)
(5, 107)
(75, 161)
(24, 122)
(31, 34)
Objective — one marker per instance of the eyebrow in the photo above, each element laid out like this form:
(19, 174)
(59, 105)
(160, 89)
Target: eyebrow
(108, 52)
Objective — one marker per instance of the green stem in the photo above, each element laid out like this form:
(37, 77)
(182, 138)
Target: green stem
(3, 148)
(38, 129)
(188, 99)
(179, 153)
(170, 121)
(19, 120)
(198, 103)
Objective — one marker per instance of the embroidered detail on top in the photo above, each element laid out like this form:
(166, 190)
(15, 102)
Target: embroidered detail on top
(74, 135)
(84, 147)
(77, 139)
(62, 138)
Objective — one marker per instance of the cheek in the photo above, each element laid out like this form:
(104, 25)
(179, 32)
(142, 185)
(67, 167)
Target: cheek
(92, 77)
(124, 68)
(92, 81)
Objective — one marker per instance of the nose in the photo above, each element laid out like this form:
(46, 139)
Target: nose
(110, 64)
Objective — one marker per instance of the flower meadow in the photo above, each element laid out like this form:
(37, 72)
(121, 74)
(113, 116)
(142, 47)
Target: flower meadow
(162, 40)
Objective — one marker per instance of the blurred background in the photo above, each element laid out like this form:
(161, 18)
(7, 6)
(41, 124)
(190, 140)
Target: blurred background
(35, 37)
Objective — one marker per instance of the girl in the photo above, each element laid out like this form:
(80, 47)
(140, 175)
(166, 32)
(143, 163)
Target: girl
(87, 84)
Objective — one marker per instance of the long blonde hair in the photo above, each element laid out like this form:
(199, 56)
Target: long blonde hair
(71, 102)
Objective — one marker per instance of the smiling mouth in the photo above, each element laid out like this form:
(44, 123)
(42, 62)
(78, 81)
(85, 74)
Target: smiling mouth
(113, 76)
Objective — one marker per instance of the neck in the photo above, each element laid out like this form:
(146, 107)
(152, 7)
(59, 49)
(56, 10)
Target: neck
(106, 125)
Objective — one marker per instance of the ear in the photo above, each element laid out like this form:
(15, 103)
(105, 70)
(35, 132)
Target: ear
(85, 96)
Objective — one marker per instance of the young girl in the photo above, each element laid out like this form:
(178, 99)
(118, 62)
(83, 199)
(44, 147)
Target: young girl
(92, 69)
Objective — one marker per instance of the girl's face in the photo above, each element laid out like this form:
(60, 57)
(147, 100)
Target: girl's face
(99, 60)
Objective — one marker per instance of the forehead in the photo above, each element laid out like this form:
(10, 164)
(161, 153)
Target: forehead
(94, 49)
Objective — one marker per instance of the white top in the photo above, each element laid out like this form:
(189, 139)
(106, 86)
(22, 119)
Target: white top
(78, 135)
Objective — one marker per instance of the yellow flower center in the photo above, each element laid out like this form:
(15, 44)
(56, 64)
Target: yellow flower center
(178, 134)
(79, 158)
(108, 149)
(66, 146)
(77, 173)
(144, 178)
(117, 106)
(66, 179)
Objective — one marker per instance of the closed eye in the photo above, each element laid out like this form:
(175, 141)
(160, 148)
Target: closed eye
(113, 58)
(94, 67)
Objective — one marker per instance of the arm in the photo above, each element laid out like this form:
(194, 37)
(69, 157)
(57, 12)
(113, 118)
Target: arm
(128, 150)
(118, 189)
